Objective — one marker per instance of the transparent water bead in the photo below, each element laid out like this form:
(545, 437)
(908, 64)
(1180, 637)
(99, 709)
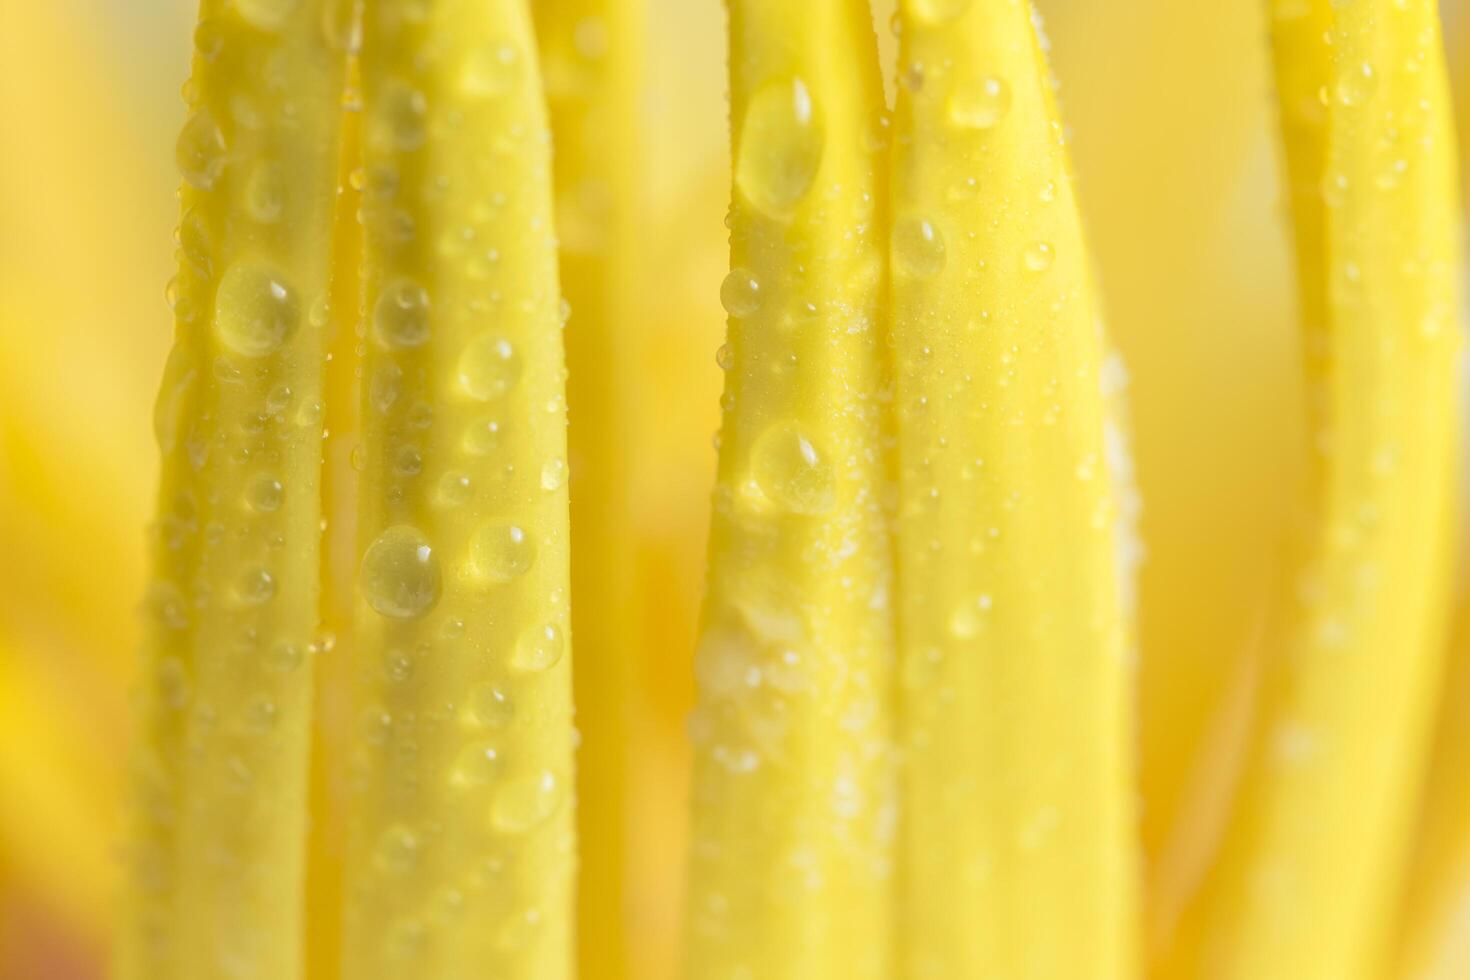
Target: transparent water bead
(526, 802)
(489, 367)
(918, 247)
(255, 311)
(780, 147)
(268, 15)
(400, 576)
(740, 293)
(980, 104)
(200, 152)
(792, 472)
(502, 552)
(490, 70)
(401, 315)
(933, 12)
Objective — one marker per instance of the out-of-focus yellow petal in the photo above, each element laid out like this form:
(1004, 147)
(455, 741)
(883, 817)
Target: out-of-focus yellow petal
(1306, 882)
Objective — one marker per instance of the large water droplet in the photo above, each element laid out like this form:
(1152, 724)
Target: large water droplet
(780, 147)
(538, 648)
(256, 586)
(553, 473)
(935, 11)
(254, 310)
(489, 367)
(477, 764)
(265, 193)
(268, 15)
(792, 472)
(526, 802)
(400, 574)
(918, 247)
(1357, 85)
(969, 616)
(1039, 256)
(179, 375)
(399, 117)
(740, 293)
(200, 152)
(491, 69)
(490, 707)
(398, 850)
(502, 552)
(980, 104)
(401, 315)
(264, 494)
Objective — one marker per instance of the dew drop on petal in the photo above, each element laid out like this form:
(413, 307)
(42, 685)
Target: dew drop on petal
(255, 311)
(792, 472)
(918, 247)
(526, 802)
(400, 576)
(780, 147)
(538, 648)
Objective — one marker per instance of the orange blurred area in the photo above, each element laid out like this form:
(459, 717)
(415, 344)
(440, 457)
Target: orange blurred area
(1171, 119)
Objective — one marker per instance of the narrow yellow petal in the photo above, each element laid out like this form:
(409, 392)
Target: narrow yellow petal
(591, 53)
(794, 805)
(218, 821)
(1306, 882)
(1018, 813)
(333, 651)
(460, 852)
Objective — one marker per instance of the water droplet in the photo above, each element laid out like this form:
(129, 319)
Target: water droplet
(209, 39)
(502, 552)
(398, 850)
(400, 574)
(1357, 85)
(538, 648)
(554, 473)
(526, 802)
(740, 293)
(265, 194)
(918, 248)
(981, 104)
(490, 70)
(483, 436)
(165, 603)
(519, 930)
(476, 765)
(455, 489)
(384, 388)
(173, 683)
(408, 461)
(254, 311)
(200, 152)
(490, 707)
(780, 147)
(792, 472)
(1039, 256)
(284, 656)
(264, 494)
(401, 315)
(725, 357)
(261, 715)
(256, 586)
(278, 399)
(400, 118)
(268, 15)
(969, 617)
(340, 25)
(935, 11)
(489, 367)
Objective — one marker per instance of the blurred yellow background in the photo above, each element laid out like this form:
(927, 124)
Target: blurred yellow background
(1170, 110)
